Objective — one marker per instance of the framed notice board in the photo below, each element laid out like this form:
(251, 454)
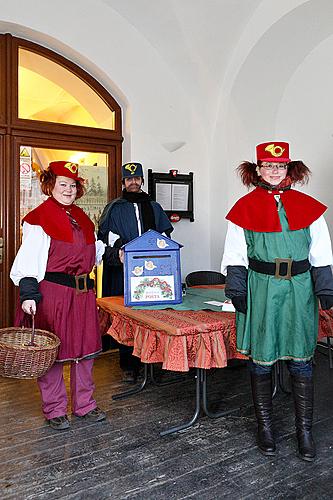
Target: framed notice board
(174, 192)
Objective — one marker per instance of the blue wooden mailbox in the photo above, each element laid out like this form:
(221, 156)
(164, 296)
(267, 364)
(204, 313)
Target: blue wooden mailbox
(152, 270)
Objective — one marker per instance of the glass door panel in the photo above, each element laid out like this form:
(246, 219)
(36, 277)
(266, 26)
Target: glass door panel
(49, 92)
(93, 167)
(2, 81)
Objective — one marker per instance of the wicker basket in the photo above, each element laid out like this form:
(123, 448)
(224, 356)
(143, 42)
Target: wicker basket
(27, 353)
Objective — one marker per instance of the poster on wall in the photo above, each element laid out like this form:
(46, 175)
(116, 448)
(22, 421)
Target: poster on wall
(174, 192)
(25, 167)
(96, 183)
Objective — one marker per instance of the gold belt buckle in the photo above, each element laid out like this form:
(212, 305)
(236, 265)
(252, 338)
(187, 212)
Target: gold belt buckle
(278, 263)
(77, 283)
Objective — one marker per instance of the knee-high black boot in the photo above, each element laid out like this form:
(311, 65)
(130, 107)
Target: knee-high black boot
(262, 399)
(303, 397)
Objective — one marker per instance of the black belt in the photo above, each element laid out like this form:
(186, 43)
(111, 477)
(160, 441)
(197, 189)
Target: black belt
(82, 282)
(281, 268)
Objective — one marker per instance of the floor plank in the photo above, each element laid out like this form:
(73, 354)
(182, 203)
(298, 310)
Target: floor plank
(125, 457)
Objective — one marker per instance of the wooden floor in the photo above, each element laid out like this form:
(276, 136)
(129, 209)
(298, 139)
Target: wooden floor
(125, 457)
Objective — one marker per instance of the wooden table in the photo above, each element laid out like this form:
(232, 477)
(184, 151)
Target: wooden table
(180, 340)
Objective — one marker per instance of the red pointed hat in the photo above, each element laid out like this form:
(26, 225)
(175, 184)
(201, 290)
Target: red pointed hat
(66, 169)
(274, 151)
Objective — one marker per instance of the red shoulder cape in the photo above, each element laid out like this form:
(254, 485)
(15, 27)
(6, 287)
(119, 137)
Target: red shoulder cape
(52, 217)
(256, 210)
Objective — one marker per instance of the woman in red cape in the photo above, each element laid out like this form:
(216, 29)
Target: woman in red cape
(277, 259)
(52, 269)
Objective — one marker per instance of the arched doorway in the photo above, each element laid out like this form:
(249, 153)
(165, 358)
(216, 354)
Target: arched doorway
(49, 109)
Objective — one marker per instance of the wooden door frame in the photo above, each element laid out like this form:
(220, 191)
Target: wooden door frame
(12, 183)
(7, 207)
(3, 224)
(3, 83)
(61, 128)
(113, 152)
(15, 131)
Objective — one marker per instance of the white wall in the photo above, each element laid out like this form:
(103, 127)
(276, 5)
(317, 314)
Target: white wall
(308, 103)
(276, 92)
(266, 74)
(156, 108)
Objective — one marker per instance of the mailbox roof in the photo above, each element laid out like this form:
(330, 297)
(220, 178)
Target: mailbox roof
(152, 240)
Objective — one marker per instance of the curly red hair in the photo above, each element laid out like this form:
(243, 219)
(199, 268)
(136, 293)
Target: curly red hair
(47, 181)
(297, 171)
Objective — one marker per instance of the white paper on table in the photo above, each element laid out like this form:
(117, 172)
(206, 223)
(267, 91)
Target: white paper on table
(214, 303)
(227, 306)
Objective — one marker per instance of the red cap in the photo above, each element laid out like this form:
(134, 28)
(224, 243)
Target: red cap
(65, 169)
(274, 151)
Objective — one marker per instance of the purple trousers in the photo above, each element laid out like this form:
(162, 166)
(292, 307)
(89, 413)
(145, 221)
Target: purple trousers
(53, 390)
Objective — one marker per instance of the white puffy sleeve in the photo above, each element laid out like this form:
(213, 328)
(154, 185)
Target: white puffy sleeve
(235, 248)
(320, 253)
(31, 259)
(100, 249)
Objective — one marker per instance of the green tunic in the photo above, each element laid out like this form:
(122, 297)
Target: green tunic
(282, 315)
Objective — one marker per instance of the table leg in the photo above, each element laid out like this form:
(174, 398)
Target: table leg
(167, 382)
(329, 352)
(197, 408)
(210, 414)
(136, 389)
(327, 346)
(200, 397)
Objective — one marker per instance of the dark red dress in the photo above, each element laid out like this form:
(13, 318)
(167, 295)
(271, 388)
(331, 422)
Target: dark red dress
(70, 315)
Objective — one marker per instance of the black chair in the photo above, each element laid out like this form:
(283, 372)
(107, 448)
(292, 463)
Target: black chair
(204, 278)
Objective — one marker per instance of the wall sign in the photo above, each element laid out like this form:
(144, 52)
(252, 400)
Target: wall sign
(174, 192)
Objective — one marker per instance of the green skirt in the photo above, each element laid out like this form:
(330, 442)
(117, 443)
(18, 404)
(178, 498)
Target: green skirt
(281, 320)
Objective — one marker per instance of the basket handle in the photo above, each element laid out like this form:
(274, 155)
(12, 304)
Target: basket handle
(32, 343)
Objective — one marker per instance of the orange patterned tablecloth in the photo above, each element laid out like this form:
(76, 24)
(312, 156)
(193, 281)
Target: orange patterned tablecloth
(325, 324)
(180, 340)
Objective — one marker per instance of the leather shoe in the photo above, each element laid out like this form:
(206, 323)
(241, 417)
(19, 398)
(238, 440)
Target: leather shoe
(266, 443)
(59, 423)
(306, 446)
(95, 415)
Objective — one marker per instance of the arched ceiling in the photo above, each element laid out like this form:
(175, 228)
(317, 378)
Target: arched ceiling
(275, 58)
(208, 44)
(194, 37)
(215, 48)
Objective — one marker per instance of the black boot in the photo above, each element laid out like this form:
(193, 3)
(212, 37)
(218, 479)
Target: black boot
(303, 397)
(262, 399)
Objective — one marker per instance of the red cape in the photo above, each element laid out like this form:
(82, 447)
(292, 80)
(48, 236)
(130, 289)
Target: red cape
(256, 211)
(52, 217)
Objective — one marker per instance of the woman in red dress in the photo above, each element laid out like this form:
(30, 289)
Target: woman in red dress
(52, 269)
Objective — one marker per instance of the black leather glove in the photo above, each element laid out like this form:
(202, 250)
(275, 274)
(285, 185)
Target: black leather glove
(326, 301)
(240, 303)
(111, 257)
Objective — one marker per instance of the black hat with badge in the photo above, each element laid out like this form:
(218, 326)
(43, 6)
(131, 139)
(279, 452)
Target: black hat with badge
(131, 169)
